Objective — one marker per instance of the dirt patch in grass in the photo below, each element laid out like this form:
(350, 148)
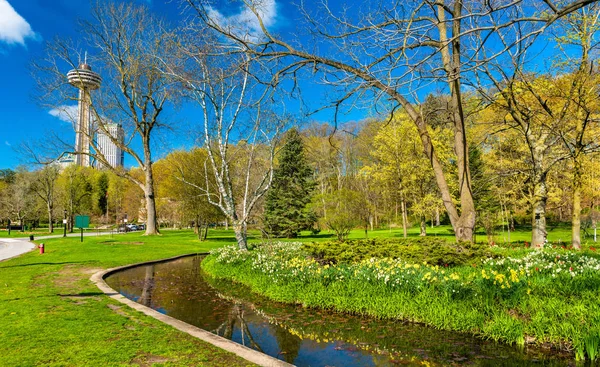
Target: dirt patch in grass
(122, 312)
(89, 271)
(118, 310)
(146, 359)
(71, 279)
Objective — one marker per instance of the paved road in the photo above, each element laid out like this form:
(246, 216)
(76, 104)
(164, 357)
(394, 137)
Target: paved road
(11, 247)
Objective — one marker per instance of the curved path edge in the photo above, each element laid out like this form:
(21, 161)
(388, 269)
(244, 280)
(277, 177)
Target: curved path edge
(251, 355)
(13, 247)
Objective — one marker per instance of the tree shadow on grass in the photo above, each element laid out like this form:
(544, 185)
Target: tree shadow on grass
(74, 295)
(49, 263)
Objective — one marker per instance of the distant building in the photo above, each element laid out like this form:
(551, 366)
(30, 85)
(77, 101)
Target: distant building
(66, 160)
(106, 146)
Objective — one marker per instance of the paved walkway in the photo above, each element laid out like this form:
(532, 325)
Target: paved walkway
(11, 247)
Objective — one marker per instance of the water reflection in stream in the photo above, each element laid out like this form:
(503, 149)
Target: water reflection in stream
(307, 337)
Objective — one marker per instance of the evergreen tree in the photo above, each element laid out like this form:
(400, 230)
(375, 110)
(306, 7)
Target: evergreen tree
(101, 191)
(286, 212)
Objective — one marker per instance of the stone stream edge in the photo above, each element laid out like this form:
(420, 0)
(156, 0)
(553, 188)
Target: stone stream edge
(251, 355)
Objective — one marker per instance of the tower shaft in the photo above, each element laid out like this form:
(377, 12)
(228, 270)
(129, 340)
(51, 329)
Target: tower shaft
(83, 129)
(84, 79)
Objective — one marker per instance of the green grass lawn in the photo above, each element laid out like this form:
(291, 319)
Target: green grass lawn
(36, 232)
(52, 314)
(556, 234)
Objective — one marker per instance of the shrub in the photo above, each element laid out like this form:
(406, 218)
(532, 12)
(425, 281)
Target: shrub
(432, 250)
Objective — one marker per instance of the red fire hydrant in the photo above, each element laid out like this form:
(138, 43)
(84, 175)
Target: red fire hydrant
(41, 248)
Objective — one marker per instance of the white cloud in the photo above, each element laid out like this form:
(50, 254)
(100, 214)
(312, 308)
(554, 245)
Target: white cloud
(7, 143)
(13, 27)
(65, 113)
(245, 22)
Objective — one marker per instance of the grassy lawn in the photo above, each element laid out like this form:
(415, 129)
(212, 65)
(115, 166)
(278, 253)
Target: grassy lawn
(52, 315)
(556, 234)
(36, 232)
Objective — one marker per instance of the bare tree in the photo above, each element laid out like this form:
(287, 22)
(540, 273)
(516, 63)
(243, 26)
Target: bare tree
(238, 133)
(389, 51)
(552, 114)
(581, 99)
(75, 191)
(130, 43)
(44, 187)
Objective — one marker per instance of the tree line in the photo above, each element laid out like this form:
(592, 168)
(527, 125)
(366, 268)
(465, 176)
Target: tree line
(457, 83)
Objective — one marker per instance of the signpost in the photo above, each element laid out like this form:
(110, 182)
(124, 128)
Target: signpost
(81, 222)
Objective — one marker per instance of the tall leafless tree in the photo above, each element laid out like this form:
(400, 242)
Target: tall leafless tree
(44, 187)
(128, 43)
(553, 113)
(388, 51)
(238, 132)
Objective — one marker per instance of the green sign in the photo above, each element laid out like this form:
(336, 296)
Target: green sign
(82, 221)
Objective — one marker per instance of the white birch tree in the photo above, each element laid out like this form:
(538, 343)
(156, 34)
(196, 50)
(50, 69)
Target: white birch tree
(238, 133)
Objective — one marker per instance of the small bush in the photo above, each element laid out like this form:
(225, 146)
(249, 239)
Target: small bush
(432, 250)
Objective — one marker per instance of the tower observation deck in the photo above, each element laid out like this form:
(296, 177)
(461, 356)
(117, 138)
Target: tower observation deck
(84, 79)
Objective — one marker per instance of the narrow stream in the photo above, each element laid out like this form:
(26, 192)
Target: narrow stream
(308, 337)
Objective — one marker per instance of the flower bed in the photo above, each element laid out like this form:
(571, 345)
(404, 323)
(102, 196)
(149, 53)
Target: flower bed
(545, 296)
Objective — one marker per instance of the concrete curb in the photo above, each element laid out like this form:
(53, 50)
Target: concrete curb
(251, 355)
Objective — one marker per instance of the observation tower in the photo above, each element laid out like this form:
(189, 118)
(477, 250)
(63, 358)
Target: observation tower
(84, 79)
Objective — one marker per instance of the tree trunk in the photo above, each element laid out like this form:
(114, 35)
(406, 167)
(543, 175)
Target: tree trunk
(151, 223)
(538, 233)
(463, 223)
(50, 219)
(404, 219)
(464, 227)
(205, 235)
(437, 217)
(509, 225)
(423, 232)
(576, 220)
(239, 228)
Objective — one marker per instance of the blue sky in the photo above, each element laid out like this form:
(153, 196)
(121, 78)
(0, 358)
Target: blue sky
(25, 25)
